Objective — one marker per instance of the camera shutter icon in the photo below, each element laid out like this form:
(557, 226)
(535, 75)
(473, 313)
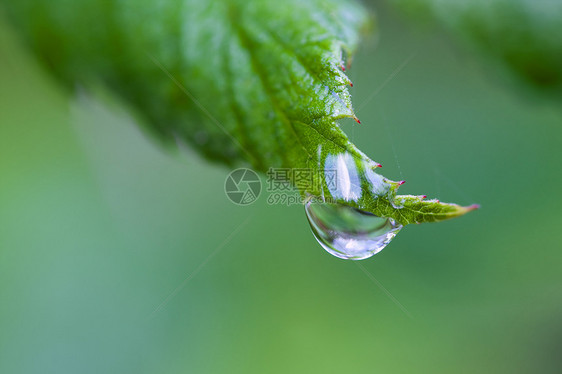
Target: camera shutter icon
(242, 186)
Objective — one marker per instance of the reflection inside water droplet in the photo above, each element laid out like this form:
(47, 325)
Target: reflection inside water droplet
(349, 233)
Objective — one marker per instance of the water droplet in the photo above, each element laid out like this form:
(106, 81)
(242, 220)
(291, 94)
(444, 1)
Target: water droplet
(350, 179)
(347, 183)
(349, 233)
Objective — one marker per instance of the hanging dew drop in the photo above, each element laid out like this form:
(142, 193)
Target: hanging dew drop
(342, 230)
(349, 233)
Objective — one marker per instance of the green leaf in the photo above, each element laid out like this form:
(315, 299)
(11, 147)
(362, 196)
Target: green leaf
(258, 83)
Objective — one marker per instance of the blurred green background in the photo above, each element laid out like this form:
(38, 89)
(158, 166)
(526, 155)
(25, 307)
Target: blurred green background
(119, 256)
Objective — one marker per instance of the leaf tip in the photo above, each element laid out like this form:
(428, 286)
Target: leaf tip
(472, 207)
(462, 210)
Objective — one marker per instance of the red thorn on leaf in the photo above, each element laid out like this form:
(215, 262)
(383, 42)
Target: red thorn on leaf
(424, 196)
(342, 68)
(379, 165)
(357, 120)
(350, 84)
(473, 207)
(401, 183)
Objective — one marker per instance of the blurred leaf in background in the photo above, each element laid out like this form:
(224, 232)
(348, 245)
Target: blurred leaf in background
(522, 35)
(117, 257)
